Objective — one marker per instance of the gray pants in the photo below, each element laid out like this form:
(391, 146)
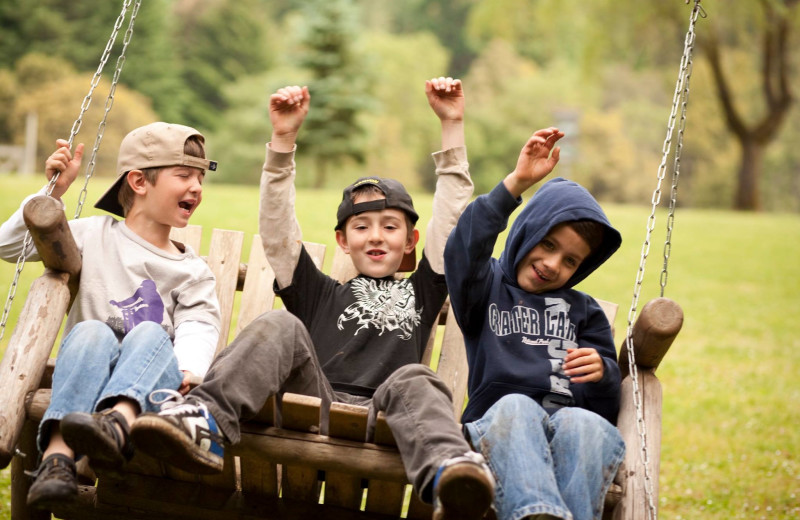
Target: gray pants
(275, 354)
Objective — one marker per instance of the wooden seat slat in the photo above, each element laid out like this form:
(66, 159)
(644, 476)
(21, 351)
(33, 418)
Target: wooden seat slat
(223, 259)
(346, 422)
(300, 413)
(384, 497)
(452, 368)
(257, 294)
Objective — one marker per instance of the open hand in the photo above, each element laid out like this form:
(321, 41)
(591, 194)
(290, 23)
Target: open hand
(535, 160)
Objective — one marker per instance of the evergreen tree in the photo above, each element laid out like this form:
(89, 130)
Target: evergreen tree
(332, 130)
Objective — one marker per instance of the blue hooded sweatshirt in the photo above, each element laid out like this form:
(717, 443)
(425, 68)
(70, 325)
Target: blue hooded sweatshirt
(516, 340)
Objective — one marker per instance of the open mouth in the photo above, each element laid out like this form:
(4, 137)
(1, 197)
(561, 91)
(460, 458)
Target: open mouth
(540, 274)
(376, 252)
(186, 205)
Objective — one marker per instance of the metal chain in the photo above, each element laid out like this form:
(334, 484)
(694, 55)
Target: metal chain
(76, 126)
(681, 88)
(686, 74)
(109, 103)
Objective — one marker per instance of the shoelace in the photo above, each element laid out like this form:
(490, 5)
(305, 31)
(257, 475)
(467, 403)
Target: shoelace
(473, 457)
(58, 467)
(173, 398)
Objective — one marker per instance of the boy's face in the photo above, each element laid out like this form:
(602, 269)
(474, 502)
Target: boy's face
(552, 261)
(377, 240)
(175, 195)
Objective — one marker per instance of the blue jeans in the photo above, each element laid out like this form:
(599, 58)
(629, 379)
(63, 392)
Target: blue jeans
(94, 370)
(561, 464)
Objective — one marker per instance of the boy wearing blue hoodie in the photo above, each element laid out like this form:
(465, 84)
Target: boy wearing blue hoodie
(544, 384)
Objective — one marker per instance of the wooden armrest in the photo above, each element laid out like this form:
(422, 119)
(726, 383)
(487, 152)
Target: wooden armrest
(653, 333)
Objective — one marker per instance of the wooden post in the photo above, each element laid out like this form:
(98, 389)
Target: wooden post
(28, 166)
(45, 218)
(653, 333)
(633, 505)
(20, 482)
(27, 352)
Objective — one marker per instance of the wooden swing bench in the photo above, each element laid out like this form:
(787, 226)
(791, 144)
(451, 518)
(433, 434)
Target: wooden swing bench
(276, 471)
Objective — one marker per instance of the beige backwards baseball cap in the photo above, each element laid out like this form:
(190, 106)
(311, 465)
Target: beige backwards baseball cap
(152, 146)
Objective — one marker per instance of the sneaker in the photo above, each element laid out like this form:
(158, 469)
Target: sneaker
(55, 482)
(183, 434)
(98, 436)
(463, 488)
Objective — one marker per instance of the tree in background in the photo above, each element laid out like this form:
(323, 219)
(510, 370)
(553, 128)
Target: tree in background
(446, 20)
(219, 41)
(333, 130)
(774, 28)
(77, 32)
(53, 90)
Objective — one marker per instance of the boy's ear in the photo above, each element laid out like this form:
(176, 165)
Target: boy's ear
(411, 243)
(136, 181)
(341, 239)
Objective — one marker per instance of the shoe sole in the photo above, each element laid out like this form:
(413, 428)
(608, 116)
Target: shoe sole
(165, 441)
(51, 500)
(464, 494)
(53, 503)
(84, 437)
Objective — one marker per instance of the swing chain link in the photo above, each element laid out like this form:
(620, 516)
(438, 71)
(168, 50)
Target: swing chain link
(685, 75)
(76, 126)
(680, 97)
(109, 102)
(87, 100)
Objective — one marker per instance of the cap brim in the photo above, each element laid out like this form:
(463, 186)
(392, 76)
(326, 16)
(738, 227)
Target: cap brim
(109, 200)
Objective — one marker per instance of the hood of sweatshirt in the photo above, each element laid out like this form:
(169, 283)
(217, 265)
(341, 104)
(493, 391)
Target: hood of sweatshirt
(558, 200)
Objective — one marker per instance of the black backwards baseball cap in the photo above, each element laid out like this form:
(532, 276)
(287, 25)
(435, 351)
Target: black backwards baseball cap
(152, 146)
(396, 197)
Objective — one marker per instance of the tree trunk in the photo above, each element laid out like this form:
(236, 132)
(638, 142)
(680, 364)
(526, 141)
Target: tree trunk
(321, 173)
(775, 78)
(748, 193)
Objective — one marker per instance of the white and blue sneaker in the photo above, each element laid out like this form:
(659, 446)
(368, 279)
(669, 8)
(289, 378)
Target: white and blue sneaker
(183, 434)
(463, 488)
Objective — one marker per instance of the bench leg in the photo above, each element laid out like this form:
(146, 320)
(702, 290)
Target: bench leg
(20, 482)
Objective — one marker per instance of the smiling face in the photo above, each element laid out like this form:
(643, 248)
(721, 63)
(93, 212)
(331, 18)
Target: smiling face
(377, 240)
(175, 195)
(553, 261)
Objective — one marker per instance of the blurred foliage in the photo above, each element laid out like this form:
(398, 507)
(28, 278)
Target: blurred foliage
(57, 100)
(333, 131)
(526, 64)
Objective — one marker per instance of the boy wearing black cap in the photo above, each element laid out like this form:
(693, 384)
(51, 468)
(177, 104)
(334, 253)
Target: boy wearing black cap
(145, 315)
(359, 342)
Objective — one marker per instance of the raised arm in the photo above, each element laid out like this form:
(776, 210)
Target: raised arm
(453, 184)
(535, 160)
(278, 225)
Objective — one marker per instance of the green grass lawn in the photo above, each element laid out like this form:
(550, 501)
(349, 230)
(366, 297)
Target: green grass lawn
(731, 440)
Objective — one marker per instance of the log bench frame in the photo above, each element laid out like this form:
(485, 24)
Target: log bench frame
(277, 471)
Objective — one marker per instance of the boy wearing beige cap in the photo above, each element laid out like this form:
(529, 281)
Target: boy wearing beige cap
(145, 316)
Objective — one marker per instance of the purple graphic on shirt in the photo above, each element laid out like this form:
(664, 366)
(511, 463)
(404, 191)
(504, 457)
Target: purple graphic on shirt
(144, 305)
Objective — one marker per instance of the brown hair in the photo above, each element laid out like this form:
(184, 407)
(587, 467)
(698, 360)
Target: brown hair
(590, 231)
(193, 146)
